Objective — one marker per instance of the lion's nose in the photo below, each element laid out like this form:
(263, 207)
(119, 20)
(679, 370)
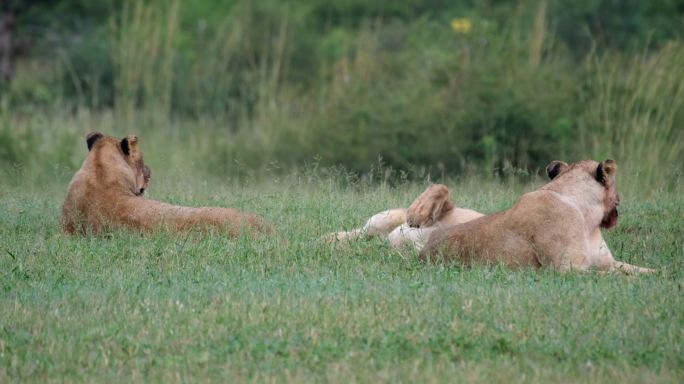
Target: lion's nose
(140, 191)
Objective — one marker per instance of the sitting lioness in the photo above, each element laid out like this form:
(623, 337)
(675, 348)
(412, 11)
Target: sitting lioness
(558, 225)
(107, 193)
(431, 210)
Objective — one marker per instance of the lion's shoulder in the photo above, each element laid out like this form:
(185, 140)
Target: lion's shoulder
(545, 207)
(542, 198)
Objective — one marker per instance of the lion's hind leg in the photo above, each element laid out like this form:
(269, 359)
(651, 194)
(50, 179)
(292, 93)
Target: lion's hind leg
(429, 207)
(380, 224)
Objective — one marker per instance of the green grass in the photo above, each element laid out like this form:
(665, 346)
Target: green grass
(253, 89)
(171, 308)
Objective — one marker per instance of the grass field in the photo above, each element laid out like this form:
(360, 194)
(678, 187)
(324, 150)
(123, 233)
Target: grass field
(163, 308)
(259, 105)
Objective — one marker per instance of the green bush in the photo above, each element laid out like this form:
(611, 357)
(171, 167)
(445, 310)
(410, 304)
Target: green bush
(488, 87)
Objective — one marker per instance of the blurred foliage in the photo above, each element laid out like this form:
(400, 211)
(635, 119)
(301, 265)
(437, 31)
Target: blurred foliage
(456, 86)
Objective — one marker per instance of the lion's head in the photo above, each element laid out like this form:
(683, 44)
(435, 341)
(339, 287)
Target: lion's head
(603, 174)
(109, 151)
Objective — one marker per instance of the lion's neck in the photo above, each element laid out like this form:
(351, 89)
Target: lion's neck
(110, 170)
(586, 196)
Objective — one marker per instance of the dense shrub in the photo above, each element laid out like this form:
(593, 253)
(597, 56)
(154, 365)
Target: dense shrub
(496, 86)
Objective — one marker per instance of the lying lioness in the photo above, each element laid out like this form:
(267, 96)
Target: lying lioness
(412, 227)
(558, 225)
(107, 192)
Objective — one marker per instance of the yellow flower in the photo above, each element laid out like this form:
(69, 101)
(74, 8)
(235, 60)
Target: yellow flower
(462, 25)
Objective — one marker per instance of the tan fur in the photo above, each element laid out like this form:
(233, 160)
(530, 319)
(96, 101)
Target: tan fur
(106, 193)
(558, 225)
(432, 209)
(429, 207)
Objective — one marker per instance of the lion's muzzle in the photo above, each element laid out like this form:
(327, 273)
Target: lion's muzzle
(610, 220)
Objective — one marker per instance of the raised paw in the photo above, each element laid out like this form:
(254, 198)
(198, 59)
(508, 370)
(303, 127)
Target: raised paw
(429, 207)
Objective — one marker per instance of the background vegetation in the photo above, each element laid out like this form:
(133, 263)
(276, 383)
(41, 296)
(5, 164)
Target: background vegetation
(499, 87)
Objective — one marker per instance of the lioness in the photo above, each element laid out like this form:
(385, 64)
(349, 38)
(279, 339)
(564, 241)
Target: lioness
(107, 192)
(558, 225)
(432, 209)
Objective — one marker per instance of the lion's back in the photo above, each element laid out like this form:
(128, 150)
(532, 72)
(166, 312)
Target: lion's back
(471, 241)
(504, 237)
(74, 202)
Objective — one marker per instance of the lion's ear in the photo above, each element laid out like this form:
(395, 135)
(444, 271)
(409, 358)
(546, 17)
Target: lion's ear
(606, 171)
(554, 168)
(128, 144)
(92, 138)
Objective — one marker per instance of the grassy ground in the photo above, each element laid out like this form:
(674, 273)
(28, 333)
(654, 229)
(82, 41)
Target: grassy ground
(165, 308)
